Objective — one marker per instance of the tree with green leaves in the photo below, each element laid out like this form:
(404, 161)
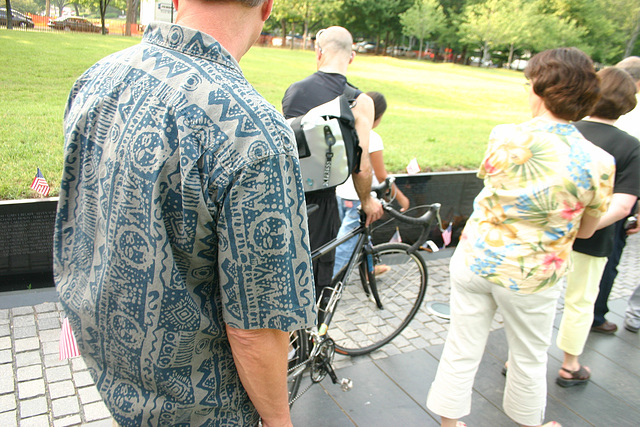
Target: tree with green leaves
(27, 6)
(378, 19)
(607, 25)
(524, 25)
(422, 20)
(481, 25)
(287, 12)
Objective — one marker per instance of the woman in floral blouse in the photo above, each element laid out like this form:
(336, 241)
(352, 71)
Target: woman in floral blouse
(544, 185)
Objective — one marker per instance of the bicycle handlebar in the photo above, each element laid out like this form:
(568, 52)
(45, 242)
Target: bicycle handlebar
(425, 220)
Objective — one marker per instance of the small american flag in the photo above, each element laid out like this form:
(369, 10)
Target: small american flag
(446, 235)
(39, 184)
(68, 344)
(396, 238)
(413, 167)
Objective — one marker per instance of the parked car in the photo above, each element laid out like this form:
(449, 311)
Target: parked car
(18, 19)
(364, 47)
(519, 64)
(74, 23)
(400, 51)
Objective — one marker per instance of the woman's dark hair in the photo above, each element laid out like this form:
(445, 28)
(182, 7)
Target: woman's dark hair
(379, 104)
(565, 80)
(618, 94)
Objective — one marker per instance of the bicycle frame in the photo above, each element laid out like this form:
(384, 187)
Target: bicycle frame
(320, 356)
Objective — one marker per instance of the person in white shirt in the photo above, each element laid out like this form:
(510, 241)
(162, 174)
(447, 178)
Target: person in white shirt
(347, 197)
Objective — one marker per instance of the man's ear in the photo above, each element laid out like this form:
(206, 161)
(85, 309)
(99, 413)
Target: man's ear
(353, 54)
(266, 9)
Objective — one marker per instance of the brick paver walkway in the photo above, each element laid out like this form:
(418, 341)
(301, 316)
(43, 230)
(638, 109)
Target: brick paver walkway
(37, 389)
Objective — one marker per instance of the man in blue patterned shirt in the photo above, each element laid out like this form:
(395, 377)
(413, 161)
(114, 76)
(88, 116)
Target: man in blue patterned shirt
(181, 243)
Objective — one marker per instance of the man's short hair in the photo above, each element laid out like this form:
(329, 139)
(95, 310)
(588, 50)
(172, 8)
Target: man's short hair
(631, 65)
(248, 3)
(565, 80)
(618, 92)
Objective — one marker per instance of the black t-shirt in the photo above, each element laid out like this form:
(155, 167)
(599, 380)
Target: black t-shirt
(626, 151)
(318, 88)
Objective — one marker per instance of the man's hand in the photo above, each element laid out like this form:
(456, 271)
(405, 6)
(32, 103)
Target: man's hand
(402, 200)
(635, 229)
(373, 209)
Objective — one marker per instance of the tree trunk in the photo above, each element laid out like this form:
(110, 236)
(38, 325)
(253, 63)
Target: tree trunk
(630, 44)
(283, 25)
(9, 16)
(103, 11)
(420, 51)
(47, 8)
(129, 20)
(293, 34)
(485, 54)
(75, 5)
(305, 34)
(511, 49)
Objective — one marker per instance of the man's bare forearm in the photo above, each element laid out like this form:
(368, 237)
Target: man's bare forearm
(261, 359)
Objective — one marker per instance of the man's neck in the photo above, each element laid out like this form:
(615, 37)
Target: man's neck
(332, 70)
(227, 22)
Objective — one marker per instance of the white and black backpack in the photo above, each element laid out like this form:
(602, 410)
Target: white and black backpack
(328, 145)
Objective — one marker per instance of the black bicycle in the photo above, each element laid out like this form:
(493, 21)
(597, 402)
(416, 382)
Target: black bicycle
(379, 292)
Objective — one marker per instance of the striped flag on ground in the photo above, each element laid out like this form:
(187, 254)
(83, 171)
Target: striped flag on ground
(446, 235)
(68, 344)
(39, 184)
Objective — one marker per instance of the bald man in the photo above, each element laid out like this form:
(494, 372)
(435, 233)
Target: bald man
(333, 56)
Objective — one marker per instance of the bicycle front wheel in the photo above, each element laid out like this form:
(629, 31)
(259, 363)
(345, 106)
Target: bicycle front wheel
(359, 325)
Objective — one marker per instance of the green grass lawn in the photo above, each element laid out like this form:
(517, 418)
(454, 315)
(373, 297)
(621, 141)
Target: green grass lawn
(439, 113)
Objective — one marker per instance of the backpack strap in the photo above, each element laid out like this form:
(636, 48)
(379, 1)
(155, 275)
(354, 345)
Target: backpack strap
(350, 92)
(301, 139)
(349, 95)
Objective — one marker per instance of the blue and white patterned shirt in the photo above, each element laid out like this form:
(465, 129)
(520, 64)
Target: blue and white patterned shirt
(181, 210)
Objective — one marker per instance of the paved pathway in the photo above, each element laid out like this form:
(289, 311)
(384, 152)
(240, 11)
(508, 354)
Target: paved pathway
(37, 389)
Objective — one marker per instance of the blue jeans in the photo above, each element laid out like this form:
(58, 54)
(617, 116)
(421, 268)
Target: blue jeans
(348, 211)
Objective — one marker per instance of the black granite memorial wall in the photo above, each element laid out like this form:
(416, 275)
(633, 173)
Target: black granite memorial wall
(26, 242)
(26, 226)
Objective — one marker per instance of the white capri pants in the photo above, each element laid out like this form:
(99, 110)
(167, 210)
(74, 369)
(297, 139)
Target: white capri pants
(528, 322)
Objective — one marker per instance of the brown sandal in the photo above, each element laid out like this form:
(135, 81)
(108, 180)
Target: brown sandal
(581, 376)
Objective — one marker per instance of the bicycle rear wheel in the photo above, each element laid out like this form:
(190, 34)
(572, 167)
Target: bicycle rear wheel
(359, 326)
(298, 355)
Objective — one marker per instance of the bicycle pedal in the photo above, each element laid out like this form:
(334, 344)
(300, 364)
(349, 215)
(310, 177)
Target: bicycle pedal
(346, 384)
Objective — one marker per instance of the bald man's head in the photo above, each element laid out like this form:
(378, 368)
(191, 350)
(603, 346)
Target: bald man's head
(335, 42)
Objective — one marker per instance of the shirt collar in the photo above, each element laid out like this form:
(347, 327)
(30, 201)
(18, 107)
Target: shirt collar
(567, 129)
(190, 42)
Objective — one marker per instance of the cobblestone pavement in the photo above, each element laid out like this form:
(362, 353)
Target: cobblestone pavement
(37, 389)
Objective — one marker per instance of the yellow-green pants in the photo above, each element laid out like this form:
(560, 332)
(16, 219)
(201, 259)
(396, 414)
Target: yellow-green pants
(583, 285)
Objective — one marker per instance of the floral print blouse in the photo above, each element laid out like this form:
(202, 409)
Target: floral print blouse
(540, 177)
